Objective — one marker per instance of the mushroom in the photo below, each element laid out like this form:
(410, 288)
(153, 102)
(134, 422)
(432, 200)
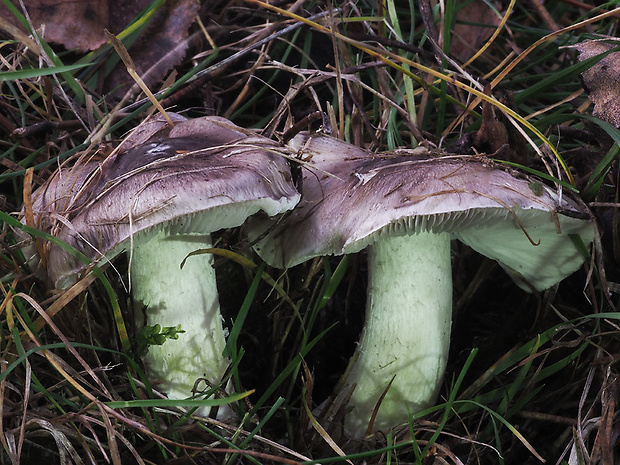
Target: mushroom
(159, 201)
(405, 207)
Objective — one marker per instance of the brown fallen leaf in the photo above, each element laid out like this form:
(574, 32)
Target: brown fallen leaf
(76, 25)
(160, 47)
(79, 26)
(602, 81)
(468, 36)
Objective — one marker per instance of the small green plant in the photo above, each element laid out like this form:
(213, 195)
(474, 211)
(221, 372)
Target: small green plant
(155, 335)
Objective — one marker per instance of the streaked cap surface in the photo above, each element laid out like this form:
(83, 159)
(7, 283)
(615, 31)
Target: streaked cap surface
(352, 198)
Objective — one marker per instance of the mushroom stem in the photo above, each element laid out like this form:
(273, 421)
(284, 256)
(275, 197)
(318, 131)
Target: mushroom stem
(167, 295)
(407, 331)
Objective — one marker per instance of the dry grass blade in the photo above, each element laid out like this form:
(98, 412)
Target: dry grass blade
(499, 28)
(64, 445)
(523, 55)
(131, 69)
(63, 299)
(69, 347)
(393, 61)
(606, 439)
(316, 425)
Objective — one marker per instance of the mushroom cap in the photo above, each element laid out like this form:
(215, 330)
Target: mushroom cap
(152, 128)
(352, 198)
(194, 181)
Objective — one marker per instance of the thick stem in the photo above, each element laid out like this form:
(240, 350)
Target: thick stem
(406, 335)
(168, 296)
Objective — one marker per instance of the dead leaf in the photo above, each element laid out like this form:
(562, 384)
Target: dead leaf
(468, 36)
(160, 47)
(602, 81)
(75, 25)
(80, 26)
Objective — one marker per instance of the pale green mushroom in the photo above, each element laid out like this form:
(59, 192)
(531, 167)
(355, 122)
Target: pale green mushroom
(404, 208)
(159, 201)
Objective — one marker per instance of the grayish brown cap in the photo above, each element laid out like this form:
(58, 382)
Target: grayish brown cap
(206, 175)
(351, 199)
(153, 128)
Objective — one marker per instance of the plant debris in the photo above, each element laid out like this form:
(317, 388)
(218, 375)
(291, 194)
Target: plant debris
(75, 25)
(602, 81)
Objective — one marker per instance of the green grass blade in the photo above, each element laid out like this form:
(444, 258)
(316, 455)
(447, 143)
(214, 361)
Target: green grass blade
(38, 72)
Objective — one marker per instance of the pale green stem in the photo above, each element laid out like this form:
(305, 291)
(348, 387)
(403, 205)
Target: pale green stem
(171, 296)
(406, 335)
